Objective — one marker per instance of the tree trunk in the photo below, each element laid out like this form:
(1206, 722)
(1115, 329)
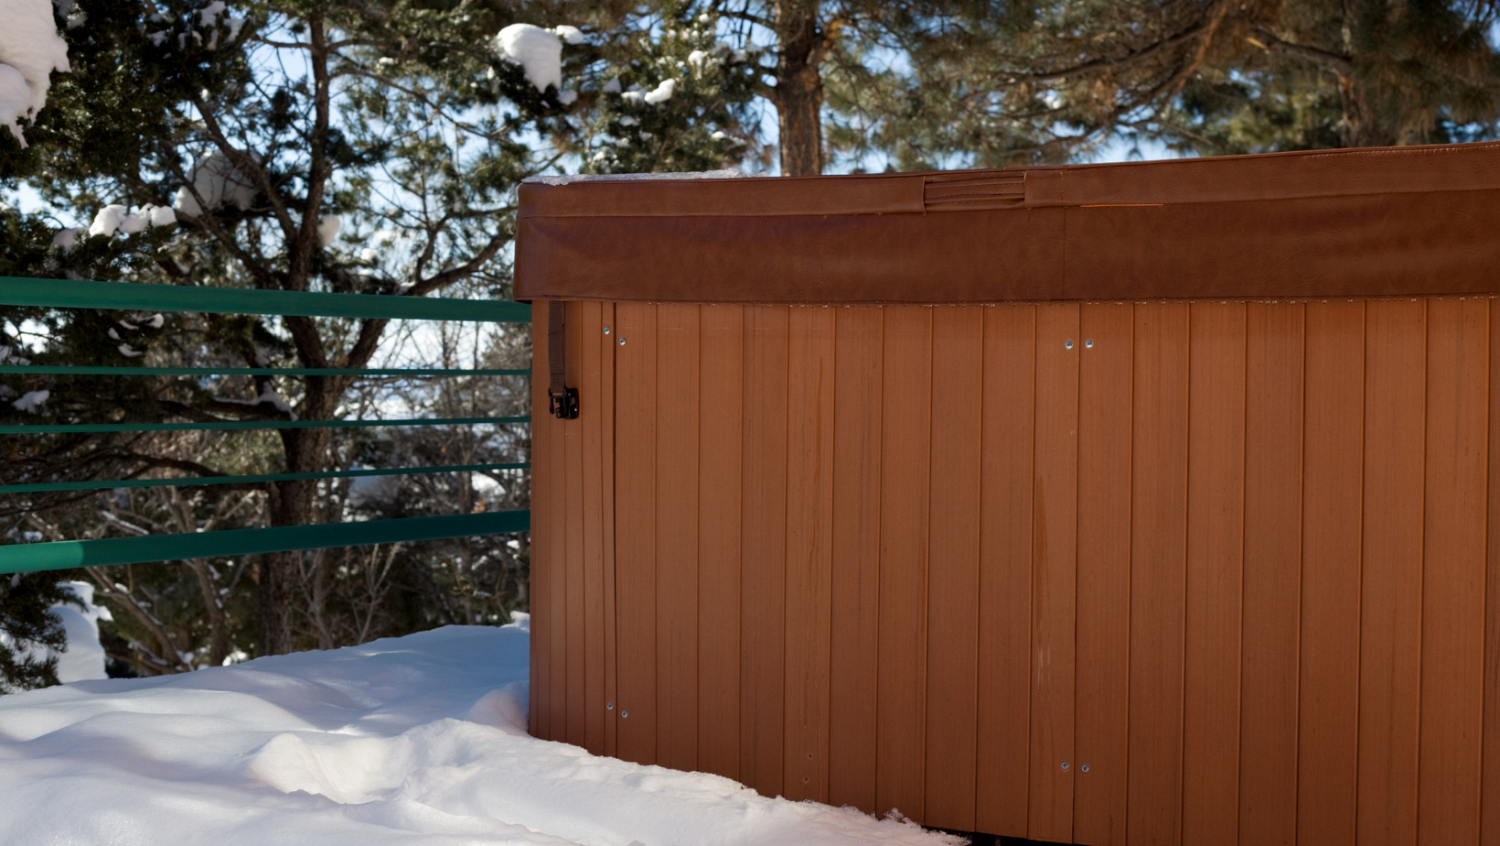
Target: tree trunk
(799, 87)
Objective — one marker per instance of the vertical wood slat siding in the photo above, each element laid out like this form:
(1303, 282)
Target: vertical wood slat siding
(1102, 715)
(763, 541)
(809, 550)
(677, 428)
(1332, 506)
(574, 539)
(720, 494)
(542, 531)
(1362, 709)
(1216, 535)
(1054, 572)
(1005, 545)
(635, 531)
(1272, 573)
(1453, 571)
(953, 580)
(905, 456)
(855, 597)
(1158, 567)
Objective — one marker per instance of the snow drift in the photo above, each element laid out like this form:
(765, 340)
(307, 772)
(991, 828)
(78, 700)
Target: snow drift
(403, 741)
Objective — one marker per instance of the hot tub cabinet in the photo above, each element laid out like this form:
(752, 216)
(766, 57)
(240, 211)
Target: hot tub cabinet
(1144, 503)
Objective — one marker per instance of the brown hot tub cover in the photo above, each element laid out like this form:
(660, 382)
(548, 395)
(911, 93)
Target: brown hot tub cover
(1373, 222)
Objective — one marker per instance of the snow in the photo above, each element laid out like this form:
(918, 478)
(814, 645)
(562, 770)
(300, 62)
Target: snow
(536, 50)
(662, 93)
(31, 401)
(66, 239)
(30, 49)
(569, 34)
(218, 182)
(567, 178)
(83, 659)
(328, 229)
(567, 96)
(117, 217)
(416, 741)
(613, 86)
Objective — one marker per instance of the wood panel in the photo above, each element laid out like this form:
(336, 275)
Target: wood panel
(635, 530)
(855, 601)
(1215, 555)
(607, 474)
(539, 711)
(809, 551)
(953, 568)
(763, 550)
(1005, 541)
(1453, 570)
(1332, 505)
(576, 695)
(905, 444)
(592, 426)
(1391, 586)
(1103, 669)
(1273, 572)
(677, 427)
(1158, 565)
(1054, 572)
(1489, 819)
(719, 451)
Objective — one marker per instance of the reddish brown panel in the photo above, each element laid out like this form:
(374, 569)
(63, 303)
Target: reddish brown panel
(1332, 504)
(1391, 580)
(906, 450)
(1054, 572)
(855, 599)
(721, 394)
(809, 550)
(763, 549)
(635, 531)
(1158, 567)
(677, 403)
(1216, 498)
(606, 403)
(1489, 784)
(539, 721)
(575, 554)
(557, 575)
(1453, 570)
(953, 568)
(1005, 528)
(1103, 664)
(592, 426)
(1273, 572)
(1216, 533)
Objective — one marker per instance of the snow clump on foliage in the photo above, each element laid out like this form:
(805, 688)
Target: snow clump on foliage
(31, 401)
(536, 50)
(30, 49)
(218, 182)
(118, 217)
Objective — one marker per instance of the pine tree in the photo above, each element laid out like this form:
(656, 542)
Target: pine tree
(30, 635)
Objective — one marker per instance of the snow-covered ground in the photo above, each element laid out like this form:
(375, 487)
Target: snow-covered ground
(402, 741)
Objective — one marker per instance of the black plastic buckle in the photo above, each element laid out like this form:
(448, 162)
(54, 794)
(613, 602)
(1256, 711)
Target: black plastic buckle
(564, 406)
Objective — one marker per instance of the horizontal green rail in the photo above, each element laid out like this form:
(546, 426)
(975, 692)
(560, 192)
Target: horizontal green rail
(61, 293)
(200, 481)
(62, 555)
(51, 370)
(237, 425)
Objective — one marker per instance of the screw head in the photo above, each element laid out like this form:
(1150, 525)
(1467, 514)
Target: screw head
(606, 330)
(1084, 768)
(609, 706)
(1068, 344)
(1089, 344)
(624, 714)
(1065, 765)
(622, 342)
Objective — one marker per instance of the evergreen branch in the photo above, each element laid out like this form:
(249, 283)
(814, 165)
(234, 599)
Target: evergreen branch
(1342, 65)
(1130, 58)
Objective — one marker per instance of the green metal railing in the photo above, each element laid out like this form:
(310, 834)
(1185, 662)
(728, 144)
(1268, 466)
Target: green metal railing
(61, 293)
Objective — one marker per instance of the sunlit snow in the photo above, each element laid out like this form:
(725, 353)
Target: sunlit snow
(30, 50)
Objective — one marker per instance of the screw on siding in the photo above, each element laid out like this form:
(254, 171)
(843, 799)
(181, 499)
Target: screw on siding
(1068, 344)
(1065, 765)
(606, 330)
(622, 342)
(1088, 345)
(1084, 768)
(609, 706)
(624, 714)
